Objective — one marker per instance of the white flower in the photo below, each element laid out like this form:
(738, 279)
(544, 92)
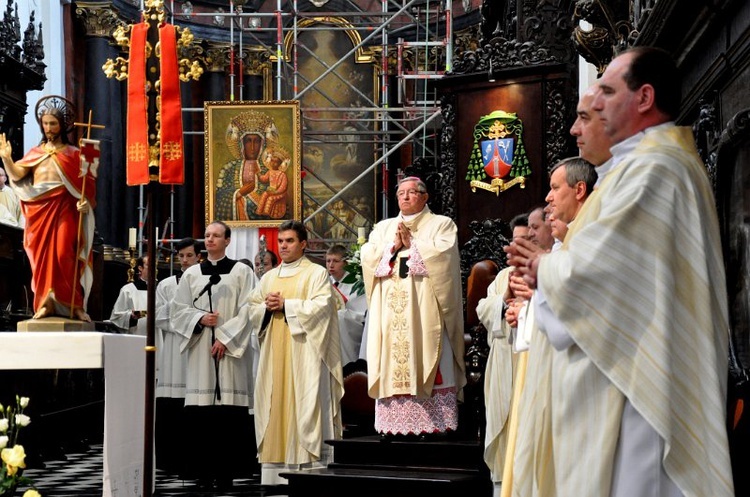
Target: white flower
(3, 441)
(22, 420)
(24, 402)
(3, 425)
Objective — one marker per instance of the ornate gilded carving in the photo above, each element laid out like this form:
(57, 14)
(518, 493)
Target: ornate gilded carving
(98, 19)
(255, 60)
(611, 30)
(217, 57)
(466, 40)
(392, 59)
(190, 53)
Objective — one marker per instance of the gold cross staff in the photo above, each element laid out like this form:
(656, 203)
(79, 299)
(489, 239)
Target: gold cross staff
(88, 127)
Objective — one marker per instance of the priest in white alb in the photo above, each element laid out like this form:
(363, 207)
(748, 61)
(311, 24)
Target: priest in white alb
(171, 366)
(129, 311)
(219, 385)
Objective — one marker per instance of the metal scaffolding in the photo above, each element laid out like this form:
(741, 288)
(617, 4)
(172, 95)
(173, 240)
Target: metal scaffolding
(347, 120)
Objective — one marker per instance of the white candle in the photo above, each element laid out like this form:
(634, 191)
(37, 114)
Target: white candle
(131, 237)
(157, 235)
(361, 235)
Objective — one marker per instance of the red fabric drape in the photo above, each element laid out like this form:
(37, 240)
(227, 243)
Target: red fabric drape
(171, 169)
(137, 138)
(272, 239)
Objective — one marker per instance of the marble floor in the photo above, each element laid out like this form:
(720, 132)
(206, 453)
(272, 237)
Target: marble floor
(80, 475)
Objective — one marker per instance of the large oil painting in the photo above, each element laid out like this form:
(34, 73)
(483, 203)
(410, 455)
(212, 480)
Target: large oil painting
(253, 162)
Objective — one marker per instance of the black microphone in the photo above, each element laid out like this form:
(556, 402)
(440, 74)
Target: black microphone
(214, 279)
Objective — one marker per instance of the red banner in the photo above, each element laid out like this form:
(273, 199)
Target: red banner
(137, 139)
(171, 170)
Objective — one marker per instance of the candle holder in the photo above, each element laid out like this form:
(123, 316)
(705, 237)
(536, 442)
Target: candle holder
(131, 270)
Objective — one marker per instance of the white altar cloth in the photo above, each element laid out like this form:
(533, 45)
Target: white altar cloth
(124, 362)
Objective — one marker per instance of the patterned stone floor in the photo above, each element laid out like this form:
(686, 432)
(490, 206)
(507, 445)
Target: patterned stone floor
(80, 475)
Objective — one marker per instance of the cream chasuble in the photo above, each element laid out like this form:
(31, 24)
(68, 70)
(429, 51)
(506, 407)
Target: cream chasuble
(299, 381)
(650, 230)
(416, 318)
(10, 208)
(498, 376)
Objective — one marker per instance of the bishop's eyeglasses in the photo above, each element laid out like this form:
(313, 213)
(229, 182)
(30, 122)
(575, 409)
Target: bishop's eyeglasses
(411, 192)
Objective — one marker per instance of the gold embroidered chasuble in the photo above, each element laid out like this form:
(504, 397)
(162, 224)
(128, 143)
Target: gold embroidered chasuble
(407, 316)
(651, 229)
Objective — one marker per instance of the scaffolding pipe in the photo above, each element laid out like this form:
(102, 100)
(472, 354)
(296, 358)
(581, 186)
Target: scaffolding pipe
(449, 35)
(424, 81)
(384, 117)
(340, 77)
(241, 65)
(295, 66)
(279, 50)
(356, 47)
(373, 165)
(231, 52)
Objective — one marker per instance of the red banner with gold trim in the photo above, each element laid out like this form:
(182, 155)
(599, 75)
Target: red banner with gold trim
(137, 138)
(171, 169)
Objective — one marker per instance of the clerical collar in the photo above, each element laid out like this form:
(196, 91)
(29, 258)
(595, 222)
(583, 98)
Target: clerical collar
(222, 266)
(290, 267)
(215, 262)
(409, 217)
(292, 264)
(140, 284)
(602, 170)
(620, 150)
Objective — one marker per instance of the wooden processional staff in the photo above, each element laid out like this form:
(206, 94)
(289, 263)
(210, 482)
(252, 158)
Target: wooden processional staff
(154, 147)
(90, 153)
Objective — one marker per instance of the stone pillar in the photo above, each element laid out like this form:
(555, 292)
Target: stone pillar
(256, 68)
(217, 61)
(115, 211)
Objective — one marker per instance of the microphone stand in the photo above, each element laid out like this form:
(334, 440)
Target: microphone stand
(217, 388)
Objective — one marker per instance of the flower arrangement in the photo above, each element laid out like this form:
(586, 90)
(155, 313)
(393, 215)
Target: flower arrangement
(12, 453)
(353, 269)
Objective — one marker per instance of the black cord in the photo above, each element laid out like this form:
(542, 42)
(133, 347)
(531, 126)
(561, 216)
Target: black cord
(217, 386)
